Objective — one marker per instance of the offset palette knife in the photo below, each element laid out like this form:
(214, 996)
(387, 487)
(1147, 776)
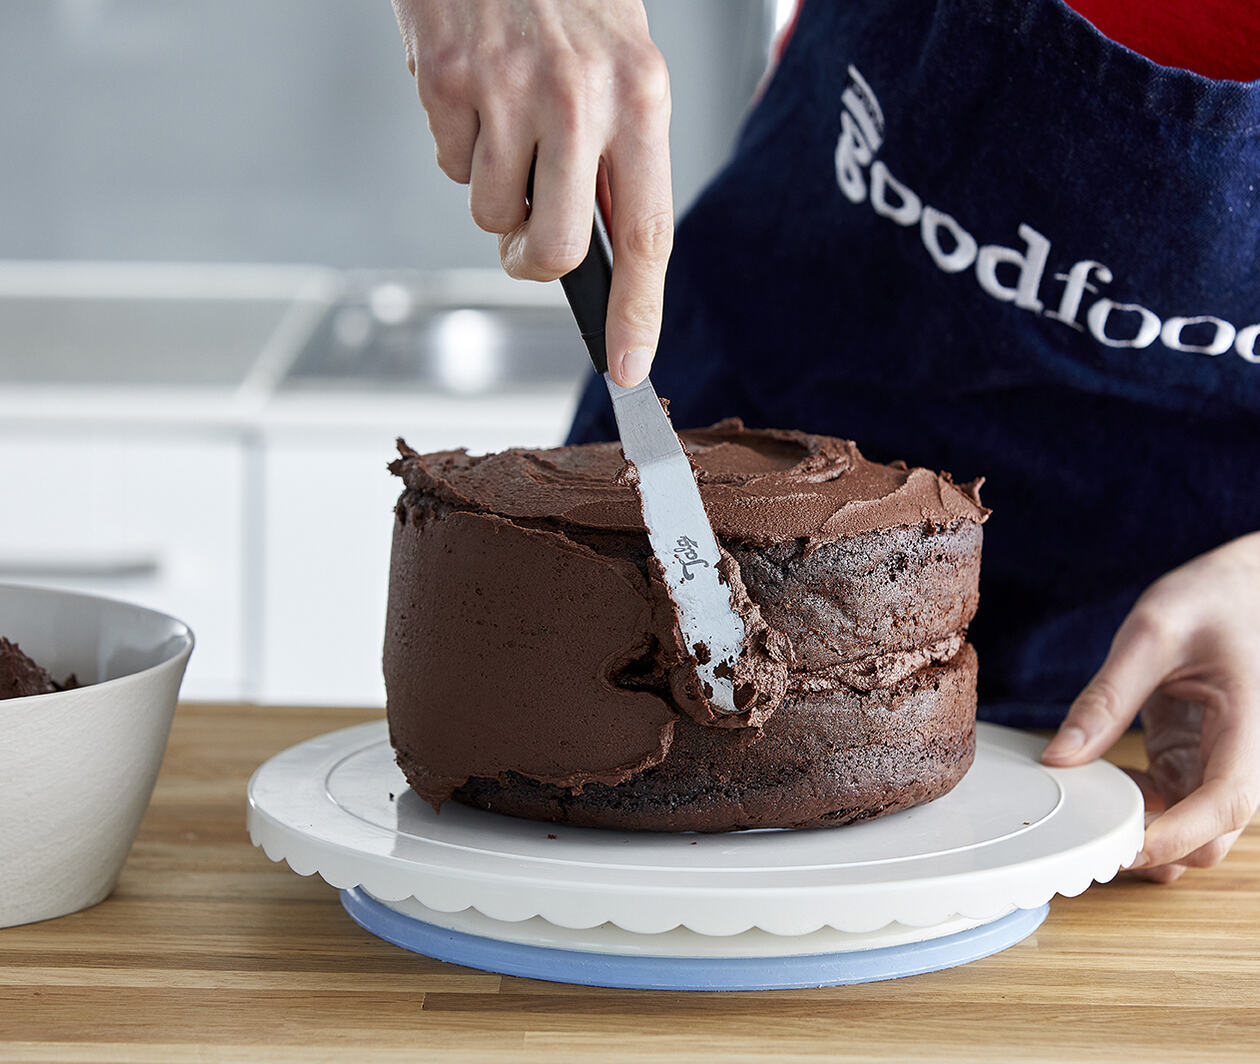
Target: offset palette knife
(677, 525)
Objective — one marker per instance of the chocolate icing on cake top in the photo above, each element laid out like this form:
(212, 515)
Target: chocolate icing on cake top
(758, 486)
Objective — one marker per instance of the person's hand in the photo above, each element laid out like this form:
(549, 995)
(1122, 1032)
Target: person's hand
(1188, 658)
(580, 84)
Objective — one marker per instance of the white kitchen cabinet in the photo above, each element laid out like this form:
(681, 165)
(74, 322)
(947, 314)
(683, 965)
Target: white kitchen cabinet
(150, 517)
(128, 401)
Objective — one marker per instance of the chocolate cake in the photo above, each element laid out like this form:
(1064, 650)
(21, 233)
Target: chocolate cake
(20, 676)
(534, 666)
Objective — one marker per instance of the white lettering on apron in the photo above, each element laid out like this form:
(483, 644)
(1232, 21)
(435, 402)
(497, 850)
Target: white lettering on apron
(953, 249)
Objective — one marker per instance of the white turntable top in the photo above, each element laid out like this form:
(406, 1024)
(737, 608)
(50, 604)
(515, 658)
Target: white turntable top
(1011, 835)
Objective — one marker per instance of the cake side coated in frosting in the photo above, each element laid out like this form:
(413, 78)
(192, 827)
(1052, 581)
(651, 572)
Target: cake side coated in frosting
(530, 643)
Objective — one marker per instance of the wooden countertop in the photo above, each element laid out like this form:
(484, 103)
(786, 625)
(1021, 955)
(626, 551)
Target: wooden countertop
(208, 951)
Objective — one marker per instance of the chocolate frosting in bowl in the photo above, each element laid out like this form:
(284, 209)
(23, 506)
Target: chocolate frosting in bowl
(529, 629)
(21, 677)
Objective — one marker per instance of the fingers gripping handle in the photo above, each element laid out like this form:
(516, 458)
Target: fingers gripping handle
(587, 287)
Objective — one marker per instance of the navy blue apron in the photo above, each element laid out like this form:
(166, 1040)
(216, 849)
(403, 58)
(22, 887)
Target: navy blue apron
(979, 236)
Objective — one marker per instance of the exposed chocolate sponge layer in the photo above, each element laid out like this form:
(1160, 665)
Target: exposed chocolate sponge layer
(530, 638)
(21, 677)
(869, 595)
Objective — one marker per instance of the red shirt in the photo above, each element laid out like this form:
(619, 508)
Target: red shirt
(1216, 38)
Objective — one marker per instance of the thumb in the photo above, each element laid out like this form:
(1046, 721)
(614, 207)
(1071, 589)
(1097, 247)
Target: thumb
(1134, 668)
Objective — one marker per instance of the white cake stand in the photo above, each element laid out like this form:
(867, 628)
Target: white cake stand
(939, 885)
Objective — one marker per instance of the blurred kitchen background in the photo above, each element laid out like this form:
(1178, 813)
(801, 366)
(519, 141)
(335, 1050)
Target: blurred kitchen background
(231, 274)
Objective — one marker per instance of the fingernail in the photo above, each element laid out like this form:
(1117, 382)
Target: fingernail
(1068, 741)
(635, 366)
(1140, 861)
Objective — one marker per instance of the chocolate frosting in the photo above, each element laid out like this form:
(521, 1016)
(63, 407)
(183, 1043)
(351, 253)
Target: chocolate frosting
(21, 677)
(759, 486)
(498, 672)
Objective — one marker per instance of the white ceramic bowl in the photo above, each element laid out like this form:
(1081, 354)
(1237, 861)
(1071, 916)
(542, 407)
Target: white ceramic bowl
(77, 767)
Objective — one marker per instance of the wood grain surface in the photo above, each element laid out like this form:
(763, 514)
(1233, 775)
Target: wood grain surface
(207, 951)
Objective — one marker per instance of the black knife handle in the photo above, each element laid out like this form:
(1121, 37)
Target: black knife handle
(587, 286)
